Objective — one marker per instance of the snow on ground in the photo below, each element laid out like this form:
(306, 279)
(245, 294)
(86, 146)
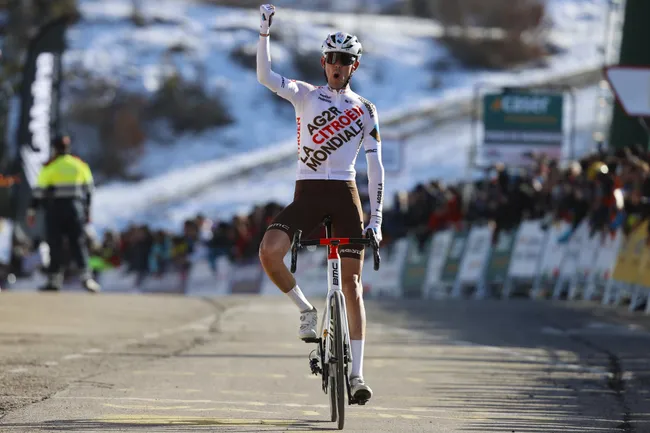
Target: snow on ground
(438, 154)
(396, 71)
(396, 74)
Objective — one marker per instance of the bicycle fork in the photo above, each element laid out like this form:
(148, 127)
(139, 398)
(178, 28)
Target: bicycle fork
(334, 288)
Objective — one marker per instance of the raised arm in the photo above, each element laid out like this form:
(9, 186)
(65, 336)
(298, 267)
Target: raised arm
(290, 90)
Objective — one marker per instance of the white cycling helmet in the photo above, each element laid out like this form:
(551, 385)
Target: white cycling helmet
(341, 42)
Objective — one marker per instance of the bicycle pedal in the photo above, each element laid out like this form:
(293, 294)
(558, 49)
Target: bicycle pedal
(311, 340)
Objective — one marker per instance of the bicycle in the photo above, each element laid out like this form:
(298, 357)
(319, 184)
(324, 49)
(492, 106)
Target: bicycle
(333, 354)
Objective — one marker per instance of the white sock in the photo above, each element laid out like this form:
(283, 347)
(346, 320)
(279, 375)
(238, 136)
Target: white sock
(299, 299)
(357, 358)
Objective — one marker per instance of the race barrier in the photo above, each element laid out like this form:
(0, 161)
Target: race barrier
(532, 260)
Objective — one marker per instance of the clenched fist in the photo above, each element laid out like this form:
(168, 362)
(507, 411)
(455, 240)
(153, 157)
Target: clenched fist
(266, 18)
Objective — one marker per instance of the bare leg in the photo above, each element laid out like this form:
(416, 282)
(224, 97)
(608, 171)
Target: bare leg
(273, 248)
(353, 291)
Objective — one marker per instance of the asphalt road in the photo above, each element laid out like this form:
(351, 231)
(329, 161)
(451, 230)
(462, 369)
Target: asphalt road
(112, 363)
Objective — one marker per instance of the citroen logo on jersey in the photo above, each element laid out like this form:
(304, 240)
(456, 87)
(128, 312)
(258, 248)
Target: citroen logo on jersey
(330, 130)
(332, 122)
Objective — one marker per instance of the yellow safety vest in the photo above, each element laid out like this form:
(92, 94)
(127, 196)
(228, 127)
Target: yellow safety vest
(65, 177)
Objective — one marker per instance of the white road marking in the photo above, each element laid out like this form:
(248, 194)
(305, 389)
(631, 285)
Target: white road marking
(72, 356)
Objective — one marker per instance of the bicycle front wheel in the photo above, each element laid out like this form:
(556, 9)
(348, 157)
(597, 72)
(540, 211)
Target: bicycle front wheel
(337, 386)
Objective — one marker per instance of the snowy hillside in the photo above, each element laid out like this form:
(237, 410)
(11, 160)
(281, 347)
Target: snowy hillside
(397, 74)
(441, 154)
(396, 70)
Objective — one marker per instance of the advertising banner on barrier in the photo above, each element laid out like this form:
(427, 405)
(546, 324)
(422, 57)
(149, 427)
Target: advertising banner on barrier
(628, 260)
(203, 280)
(456, 251)
(569, 269)
(644, 269)
(386, 281)
(528, 250)
(553, 251)
(606, 256)
(497, 270)
(6, 230)
(588, 255)
(601, 273)
(476, 255)
(415, 267)
(569, 265)
(437, 256)
(246, 279)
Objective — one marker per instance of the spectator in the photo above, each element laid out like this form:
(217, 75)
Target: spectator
(140, 249)
(221, 244)
(243, 238)
(608, 190)
(160, 254)
(180, 256)
(110, 249)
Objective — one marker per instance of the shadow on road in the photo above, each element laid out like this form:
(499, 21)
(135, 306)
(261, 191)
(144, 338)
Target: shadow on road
(169, 424)
(531, 366)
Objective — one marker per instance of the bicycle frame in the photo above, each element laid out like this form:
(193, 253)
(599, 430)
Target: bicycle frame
(334, 289)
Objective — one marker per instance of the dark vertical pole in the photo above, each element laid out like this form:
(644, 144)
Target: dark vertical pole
(635, 51)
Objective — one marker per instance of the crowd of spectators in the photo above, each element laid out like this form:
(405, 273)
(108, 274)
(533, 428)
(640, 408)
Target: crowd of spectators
(610, 189)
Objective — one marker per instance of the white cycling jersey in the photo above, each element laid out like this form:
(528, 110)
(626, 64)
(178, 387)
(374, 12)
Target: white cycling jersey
(331, 127)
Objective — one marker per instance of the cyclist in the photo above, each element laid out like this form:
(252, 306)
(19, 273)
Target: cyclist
(333, 122)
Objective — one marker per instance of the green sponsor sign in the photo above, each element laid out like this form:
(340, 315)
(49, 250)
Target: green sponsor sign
(415, 267)
(520, 118)
(456, 250)
(500, 258)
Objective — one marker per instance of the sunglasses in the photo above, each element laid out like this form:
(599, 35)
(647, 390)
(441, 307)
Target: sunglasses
(345, 58)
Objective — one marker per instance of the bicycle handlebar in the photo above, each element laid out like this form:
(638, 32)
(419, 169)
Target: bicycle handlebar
(296, 244)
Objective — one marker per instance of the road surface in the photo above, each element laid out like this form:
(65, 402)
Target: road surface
(152, 363)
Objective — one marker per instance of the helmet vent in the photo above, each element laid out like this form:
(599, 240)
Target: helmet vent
(342, 42)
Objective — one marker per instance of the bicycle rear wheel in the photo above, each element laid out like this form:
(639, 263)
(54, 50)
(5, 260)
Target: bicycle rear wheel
(337, 399)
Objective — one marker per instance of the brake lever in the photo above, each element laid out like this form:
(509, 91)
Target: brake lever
(377, 257)
(375, 248)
